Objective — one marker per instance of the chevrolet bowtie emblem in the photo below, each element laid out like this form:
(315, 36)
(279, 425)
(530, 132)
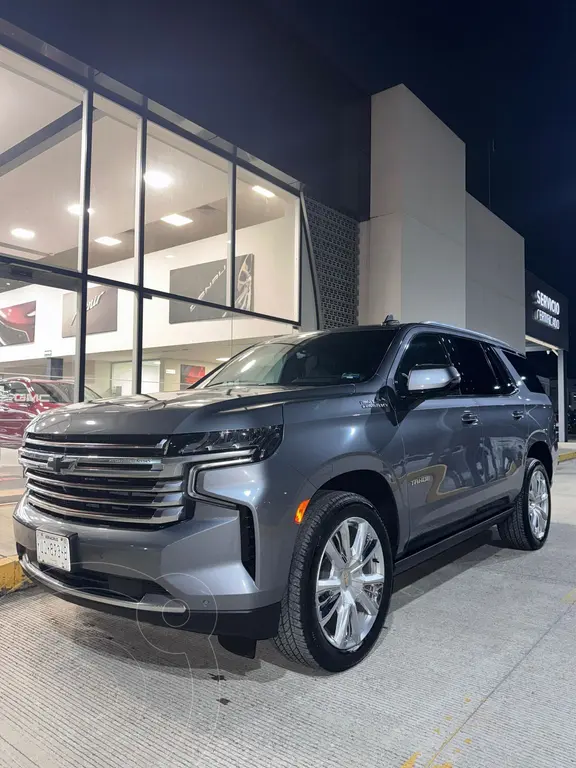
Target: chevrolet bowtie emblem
(61, 464)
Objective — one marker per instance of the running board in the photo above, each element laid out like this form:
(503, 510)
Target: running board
(405, 563)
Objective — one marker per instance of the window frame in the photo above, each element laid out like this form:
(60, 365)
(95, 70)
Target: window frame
(504, 368)
(480, 343)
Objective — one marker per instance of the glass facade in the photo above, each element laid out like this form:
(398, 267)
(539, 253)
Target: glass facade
(137, 252)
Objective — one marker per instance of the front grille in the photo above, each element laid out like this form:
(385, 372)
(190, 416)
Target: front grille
(129, 480)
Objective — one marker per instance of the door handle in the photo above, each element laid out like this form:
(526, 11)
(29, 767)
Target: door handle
(517, 415)
(469, 418)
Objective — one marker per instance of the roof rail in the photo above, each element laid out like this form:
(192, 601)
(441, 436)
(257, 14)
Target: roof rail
(474, 334)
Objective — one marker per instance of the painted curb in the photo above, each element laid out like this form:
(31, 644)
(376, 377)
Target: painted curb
(12, 576)
(568, 456)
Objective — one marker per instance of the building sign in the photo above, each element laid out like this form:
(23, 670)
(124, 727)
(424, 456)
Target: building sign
(101, 311)
(207, 282)
(546, 313)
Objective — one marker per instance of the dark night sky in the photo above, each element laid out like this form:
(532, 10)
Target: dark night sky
(502, 72)
(492, 71)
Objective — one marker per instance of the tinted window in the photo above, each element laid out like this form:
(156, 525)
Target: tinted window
(477, 376)
(424, 349)
(505, 380)
(525, 371)
(347, 357)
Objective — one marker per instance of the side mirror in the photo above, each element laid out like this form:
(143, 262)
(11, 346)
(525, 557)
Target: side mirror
(426, 378)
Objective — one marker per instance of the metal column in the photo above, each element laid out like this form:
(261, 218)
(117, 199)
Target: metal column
(561, 397)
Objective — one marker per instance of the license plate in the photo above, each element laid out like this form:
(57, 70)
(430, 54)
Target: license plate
(53, 550)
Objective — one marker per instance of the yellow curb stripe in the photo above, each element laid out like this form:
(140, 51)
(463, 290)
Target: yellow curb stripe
(12, 576)
(568, 456)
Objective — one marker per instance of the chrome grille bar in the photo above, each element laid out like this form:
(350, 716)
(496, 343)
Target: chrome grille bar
(159, 487)
(171, 517)
(81, 446)
(170, 499)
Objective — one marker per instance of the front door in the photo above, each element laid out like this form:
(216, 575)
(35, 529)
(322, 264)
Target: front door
(442, 439)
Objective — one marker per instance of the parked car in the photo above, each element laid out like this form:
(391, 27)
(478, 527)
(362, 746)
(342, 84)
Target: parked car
(279, 496)
(22, 398)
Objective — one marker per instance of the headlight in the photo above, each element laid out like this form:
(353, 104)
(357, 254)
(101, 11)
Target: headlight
(255, 444)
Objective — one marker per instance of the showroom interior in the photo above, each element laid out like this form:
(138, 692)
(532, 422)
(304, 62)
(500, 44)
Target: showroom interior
(134, 257)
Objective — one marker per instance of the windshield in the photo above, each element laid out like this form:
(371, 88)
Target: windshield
(346, 357)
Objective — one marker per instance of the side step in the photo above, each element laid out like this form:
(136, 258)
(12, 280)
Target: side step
(405, 563)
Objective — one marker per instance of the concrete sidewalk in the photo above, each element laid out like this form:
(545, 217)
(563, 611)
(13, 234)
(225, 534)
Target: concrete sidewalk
(475, 670)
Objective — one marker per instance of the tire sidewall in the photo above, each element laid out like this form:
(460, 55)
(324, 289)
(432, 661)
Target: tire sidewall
(325, 654)
(532, 467)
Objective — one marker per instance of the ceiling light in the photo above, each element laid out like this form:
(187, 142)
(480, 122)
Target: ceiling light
(222, 359)
(158, 179)
(23, 234)
(7, 283)
(168, 255)
(263, 191)
(76, 209)
(176, 219)
(108, 240)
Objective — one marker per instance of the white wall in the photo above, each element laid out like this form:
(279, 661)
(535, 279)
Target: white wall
(430, 250)
(417, 264)
(494, 276)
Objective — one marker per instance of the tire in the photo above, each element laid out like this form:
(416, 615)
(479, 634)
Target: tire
(517, 531)
(301, 637)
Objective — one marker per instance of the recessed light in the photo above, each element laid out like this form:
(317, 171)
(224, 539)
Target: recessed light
(23, 234)
(76, 209)
(176, 220)
(263, 191)
(108, 240)
(7, 283)
(168, 255)
(222, 359)
(158, 179)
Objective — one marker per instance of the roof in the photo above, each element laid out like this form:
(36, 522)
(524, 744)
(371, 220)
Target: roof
(429, 324)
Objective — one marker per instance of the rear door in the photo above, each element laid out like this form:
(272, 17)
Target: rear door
(441, 437)
(502, 413)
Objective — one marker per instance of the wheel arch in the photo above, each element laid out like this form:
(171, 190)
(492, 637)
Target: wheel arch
(376, 489)
(540, 450)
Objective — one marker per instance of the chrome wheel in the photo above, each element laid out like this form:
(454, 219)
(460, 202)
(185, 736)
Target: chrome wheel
(350, 583)
(538, 504)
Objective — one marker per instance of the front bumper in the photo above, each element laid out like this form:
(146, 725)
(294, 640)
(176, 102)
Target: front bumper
(256, 624)
(198, 562)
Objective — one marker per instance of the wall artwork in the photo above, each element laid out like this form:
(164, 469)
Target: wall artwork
(18, 324)
(101, 315)
(207, 282)
(190, 374)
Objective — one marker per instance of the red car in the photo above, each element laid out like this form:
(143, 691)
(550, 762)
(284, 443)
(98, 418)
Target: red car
(22, 398)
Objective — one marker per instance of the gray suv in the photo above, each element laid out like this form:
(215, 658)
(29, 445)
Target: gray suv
(279, 496)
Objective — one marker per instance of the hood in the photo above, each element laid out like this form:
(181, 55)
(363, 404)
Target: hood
(194, 410)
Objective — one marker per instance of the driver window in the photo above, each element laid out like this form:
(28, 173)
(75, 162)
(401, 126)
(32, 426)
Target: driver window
(424, 349)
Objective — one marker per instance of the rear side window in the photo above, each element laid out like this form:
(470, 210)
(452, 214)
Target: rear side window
(505, 380)
(477, 376)
(525, 371)
(424, 349)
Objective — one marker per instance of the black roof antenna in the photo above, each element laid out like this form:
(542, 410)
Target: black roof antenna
(390, 320)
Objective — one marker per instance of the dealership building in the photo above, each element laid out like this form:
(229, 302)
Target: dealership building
(139, 250)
